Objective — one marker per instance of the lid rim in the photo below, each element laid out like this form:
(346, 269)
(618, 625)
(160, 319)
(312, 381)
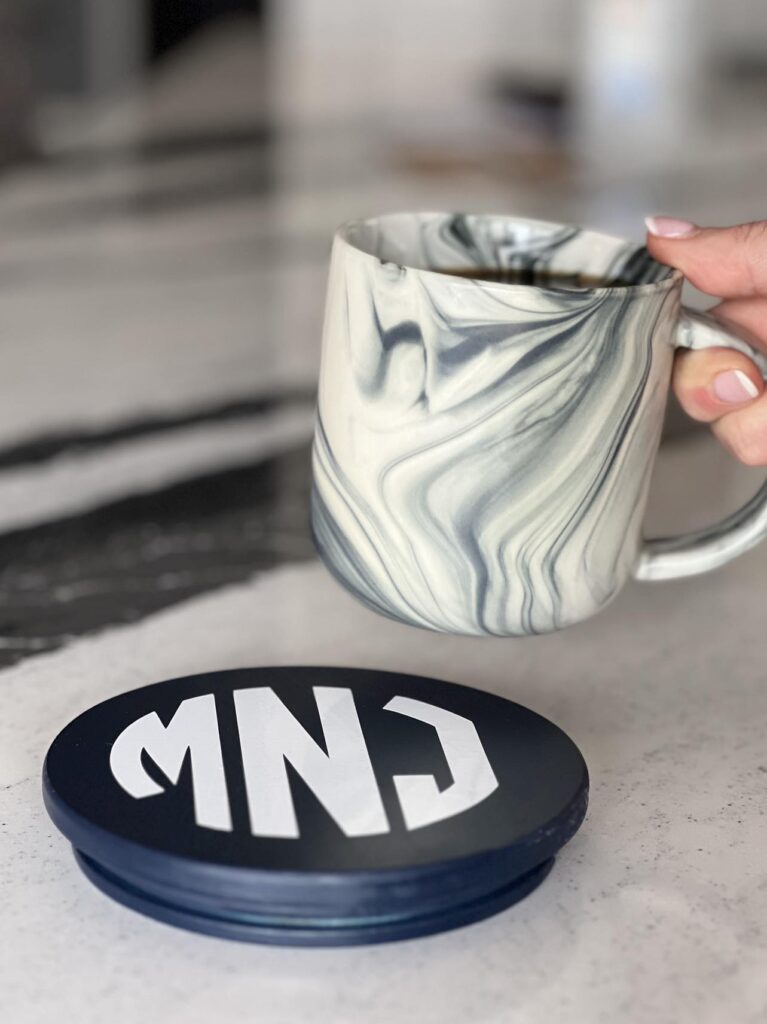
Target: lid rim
(214, 879)
(327, 934)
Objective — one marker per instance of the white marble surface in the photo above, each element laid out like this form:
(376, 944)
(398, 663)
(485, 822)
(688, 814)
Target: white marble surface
(656, 913)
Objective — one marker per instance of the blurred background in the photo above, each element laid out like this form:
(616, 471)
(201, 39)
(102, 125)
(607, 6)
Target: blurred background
(171, 172)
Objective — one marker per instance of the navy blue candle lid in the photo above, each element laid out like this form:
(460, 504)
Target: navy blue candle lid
(314, 806)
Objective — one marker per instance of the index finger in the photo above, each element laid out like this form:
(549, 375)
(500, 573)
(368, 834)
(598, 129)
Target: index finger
(728, 262)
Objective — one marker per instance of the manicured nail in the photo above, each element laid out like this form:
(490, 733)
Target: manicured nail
(734, 387)
(670, 227)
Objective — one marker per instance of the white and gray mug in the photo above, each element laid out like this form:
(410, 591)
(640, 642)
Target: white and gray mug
(483, 450)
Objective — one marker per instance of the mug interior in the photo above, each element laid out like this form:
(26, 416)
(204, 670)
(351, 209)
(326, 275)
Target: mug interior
(534, 250)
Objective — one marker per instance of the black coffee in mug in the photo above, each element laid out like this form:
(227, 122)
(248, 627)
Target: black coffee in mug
(537, 277)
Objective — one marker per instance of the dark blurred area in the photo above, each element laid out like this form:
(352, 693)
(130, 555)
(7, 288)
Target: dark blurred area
(170, 24)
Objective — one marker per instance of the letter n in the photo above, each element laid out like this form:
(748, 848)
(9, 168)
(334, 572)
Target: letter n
(342, 779)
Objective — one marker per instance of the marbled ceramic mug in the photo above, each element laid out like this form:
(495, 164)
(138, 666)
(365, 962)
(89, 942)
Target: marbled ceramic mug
(483, 451)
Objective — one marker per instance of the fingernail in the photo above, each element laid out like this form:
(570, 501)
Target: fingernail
(670, 227)
(734, 387)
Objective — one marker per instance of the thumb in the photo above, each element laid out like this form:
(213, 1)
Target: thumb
(728, 262)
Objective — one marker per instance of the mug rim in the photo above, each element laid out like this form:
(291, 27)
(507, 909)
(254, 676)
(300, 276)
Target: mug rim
(343, 233)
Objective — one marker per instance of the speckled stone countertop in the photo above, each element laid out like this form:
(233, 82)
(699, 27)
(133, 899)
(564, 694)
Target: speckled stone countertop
(655, 911)
(153, 484)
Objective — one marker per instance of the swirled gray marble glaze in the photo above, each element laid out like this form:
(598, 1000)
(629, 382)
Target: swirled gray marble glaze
(483, 451)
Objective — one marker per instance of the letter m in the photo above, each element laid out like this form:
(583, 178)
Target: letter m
(193, 729)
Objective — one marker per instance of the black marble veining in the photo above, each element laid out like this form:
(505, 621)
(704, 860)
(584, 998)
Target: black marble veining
(76, 441)
(124, 560)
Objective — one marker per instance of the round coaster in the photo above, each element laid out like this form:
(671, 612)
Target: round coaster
(314, 806)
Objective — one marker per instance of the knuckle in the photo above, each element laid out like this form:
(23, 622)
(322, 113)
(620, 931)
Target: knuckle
(752, 241)
(696, 404)
(753, 455)
(753, 231)
(747, 448)
(690, 367)
(692, 374)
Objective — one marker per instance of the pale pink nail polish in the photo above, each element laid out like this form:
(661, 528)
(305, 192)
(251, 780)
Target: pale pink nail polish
(670, 227)
(734, 387)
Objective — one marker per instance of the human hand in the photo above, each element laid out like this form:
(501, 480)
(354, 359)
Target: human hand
(719, 385)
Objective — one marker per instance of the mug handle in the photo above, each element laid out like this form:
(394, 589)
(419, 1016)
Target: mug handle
(666, 558)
